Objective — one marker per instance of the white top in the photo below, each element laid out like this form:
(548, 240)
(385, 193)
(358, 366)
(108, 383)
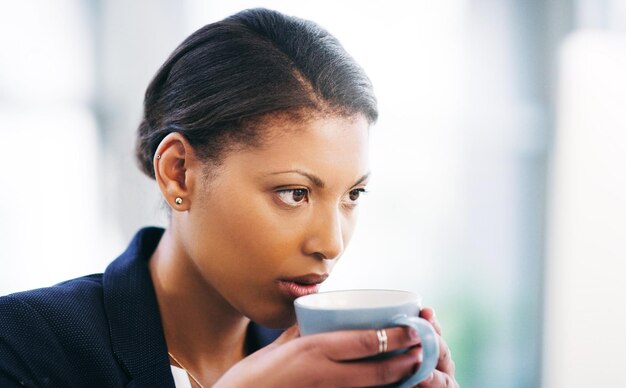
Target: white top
(181, 379)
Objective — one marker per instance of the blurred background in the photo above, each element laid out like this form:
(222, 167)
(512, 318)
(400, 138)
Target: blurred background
(499, 186)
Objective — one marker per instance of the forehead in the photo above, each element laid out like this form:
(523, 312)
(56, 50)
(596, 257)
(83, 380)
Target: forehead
(330, 147)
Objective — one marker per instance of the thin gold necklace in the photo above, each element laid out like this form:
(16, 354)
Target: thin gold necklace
(186, 370)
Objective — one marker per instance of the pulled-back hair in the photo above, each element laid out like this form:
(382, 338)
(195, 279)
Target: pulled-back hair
(228, 75)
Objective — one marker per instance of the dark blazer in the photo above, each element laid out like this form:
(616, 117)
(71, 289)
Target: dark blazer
(101, 330)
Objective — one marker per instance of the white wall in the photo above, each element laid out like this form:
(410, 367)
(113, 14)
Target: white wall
(50, 220)
(585, 304)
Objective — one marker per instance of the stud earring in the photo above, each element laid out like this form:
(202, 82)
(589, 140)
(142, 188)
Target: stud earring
(158, 156)
(178, 200)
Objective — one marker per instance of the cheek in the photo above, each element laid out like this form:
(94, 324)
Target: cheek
(349, 225)
(253, 231)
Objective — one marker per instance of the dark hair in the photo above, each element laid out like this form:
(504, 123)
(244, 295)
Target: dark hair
(228, 75)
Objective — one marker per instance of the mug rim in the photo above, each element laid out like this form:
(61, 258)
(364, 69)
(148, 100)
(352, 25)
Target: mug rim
(300, 302)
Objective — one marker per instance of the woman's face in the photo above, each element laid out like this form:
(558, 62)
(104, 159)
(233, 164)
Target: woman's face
(271, 224)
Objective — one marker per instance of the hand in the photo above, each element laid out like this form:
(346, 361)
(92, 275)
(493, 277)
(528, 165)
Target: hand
(443, 375)
(320, 361)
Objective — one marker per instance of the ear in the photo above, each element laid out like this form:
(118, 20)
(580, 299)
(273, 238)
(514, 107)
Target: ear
(173, 160)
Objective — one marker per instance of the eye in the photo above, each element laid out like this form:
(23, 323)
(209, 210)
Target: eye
(354, 195)
(293, 197)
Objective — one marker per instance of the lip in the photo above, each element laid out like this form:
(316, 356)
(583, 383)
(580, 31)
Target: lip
(296, 287)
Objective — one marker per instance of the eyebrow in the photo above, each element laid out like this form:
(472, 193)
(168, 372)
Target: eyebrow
(315, 179)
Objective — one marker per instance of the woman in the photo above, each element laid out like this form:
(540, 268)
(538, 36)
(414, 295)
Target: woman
(255, 130)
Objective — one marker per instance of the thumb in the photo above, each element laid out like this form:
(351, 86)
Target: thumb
(288, 335)
(291, 333)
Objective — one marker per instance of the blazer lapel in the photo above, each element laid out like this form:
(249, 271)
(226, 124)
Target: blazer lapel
(133, 313)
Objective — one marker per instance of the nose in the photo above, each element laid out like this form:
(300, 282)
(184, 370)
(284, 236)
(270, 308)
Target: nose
(325, 237)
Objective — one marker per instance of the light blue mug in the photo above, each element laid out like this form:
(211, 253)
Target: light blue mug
(369, 309)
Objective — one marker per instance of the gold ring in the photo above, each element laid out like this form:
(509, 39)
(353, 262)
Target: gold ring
(382, 340)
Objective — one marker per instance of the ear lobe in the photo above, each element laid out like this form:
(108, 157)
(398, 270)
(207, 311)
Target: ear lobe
(171, 170)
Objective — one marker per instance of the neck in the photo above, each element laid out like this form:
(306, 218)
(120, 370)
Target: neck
(202, 330)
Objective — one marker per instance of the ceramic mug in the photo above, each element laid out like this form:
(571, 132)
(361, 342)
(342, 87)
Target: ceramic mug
(369, 309)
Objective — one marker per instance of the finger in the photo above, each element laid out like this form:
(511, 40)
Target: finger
(445, 363)
(438, 379)
(377, 373)
(428, 313)
(354, 344)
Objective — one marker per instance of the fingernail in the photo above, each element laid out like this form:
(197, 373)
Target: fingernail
(427, 312)
(413, 334)
(420, 356)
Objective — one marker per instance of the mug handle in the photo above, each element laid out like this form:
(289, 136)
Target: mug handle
(430, 348)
